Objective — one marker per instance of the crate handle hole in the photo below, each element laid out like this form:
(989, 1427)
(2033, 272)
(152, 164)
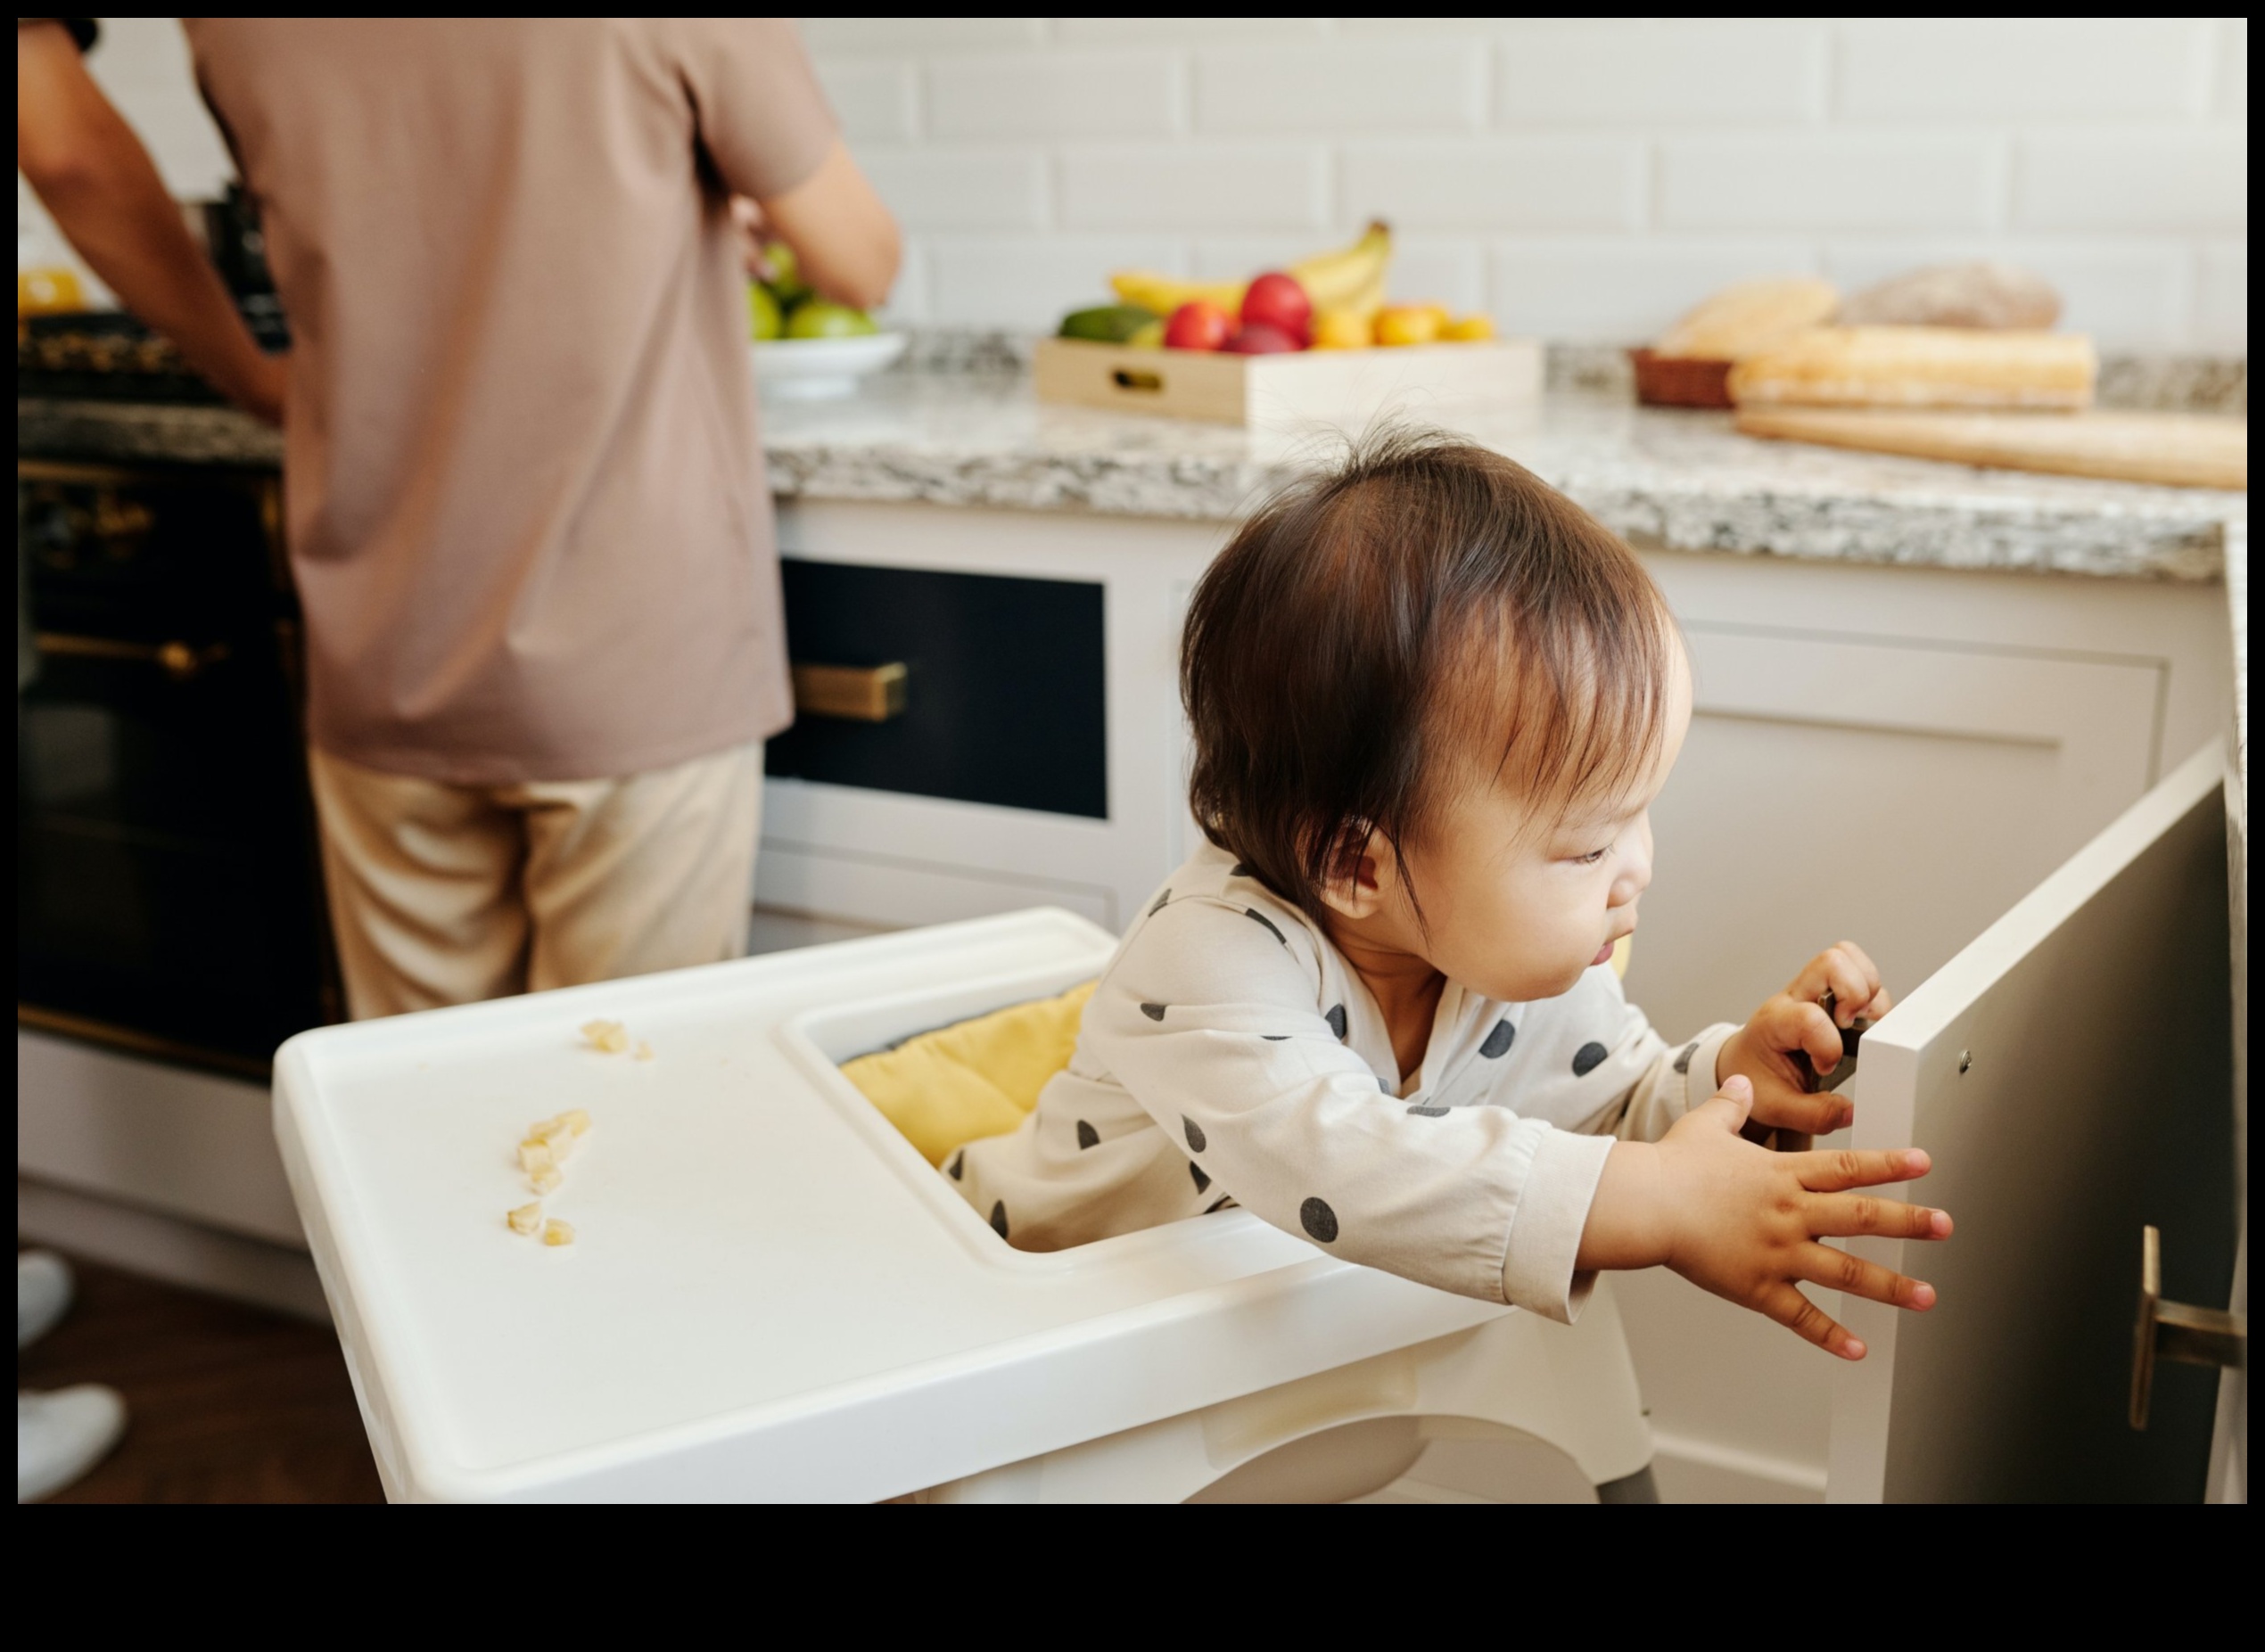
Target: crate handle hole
(1128, 380)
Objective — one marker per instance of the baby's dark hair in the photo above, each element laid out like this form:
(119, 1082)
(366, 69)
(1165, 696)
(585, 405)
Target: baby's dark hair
(1424, 615)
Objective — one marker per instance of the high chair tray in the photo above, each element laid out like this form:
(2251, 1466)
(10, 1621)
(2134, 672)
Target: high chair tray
(771, 1294)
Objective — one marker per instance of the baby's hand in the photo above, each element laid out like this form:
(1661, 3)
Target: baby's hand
(1792, 1037)
(1744, 1224)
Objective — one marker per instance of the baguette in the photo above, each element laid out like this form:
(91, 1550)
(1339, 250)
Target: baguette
(1749, 316)
(1920, 367)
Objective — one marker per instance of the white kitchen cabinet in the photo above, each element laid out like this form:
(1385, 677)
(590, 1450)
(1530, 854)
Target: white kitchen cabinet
(2070, 1072)
(1894, 755)
(886, 857)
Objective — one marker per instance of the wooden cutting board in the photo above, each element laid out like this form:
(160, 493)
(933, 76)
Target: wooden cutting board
(2177, 449)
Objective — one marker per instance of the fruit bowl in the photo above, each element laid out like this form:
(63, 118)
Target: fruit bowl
(821, 369)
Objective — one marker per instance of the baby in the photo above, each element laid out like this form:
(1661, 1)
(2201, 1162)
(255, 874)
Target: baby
(1432, 702)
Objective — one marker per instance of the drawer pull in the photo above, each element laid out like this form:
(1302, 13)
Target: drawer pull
(858, 694)
(177, 660)
(2168, 1330)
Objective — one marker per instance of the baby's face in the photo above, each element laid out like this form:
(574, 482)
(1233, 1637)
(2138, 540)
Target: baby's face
(1517, 907)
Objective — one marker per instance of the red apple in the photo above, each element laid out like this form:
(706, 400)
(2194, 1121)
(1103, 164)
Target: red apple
(1197, 324)
(1276, 300)
(1259, 338)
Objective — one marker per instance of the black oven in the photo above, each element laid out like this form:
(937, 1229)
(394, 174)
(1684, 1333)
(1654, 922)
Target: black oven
(168, 892)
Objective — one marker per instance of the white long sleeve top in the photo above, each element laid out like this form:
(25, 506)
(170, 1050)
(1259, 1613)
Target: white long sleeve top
(1231, 1056)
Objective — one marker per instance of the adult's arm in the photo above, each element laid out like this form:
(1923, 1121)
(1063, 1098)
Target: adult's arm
(845, 240)
(765, 123)
(99, 185)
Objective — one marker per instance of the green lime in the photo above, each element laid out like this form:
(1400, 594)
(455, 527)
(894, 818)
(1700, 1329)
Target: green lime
(786, 284)
(763, 319)
(815, 318)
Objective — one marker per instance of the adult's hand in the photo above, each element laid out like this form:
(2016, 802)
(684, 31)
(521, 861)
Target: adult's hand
(845, 238)
(98, 183)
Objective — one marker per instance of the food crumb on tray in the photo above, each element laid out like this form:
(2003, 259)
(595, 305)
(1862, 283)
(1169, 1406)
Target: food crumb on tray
(609, 1036)
(542, 1153)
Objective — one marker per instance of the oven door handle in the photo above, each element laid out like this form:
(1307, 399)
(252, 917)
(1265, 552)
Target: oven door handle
(179, 661)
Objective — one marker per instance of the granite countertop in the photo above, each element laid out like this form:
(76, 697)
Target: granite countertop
(1681, 479)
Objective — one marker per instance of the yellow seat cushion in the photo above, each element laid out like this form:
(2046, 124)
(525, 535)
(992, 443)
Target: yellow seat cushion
(944, 1088)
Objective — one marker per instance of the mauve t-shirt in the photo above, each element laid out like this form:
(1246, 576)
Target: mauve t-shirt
(524, 483)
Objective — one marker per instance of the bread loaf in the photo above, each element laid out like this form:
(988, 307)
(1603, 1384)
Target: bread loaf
(1920, 367)
(1749, 316)
(1980, 294)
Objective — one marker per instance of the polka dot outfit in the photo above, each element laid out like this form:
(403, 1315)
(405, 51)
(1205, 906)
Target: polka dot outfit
(1229, 1056)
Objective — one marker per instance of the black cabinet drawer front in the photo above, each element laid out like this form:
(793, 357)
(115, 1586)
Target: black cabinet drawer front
(1005, 697)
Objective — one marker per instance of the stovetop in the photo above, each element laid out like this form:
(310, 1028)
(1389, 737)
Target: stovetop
(110, 355)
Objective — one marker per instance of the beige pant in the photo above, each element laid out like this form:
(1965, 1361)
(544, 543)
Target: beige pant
(444, 895)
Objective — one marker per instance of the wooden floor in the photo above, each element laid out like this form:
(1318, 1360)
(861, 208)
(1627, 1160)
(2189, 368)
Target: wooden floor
(224, 1404)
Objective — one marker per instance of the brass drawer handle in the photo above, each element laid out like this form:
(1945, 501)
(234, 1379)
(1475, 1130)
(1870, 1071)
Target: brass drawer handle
(859, 693)
(2180, 1331)
(177, 660)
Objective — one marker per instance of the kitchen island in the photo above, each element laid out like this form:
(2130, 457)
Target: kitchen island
(1921, 687)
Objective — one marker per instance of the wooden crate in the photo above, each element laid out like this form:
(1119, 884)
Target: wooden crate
(1429, 384)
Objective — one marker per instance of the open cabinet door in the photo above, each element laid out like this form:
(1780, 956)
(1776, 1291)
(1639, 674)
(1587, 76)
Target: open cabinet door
(2071, 1074)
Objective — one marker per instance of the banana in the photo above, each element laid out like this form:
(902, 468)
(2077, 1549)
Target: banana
(1351, 277)
(1346, 278)
(1163, 294)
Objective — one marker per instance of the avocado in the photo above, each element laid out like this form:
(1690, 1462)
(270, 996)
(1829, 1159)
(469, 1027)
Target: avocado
(1110, 323)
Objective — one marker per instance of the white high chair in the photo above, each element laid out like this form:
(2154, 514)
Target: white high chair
(771, 1295)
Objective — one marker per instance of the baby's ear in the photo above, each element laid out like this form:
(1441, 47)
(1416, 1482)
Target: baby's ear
(1362, 871)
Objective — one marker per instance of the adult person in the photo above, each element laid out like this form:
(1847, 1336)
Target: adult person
(525, 500)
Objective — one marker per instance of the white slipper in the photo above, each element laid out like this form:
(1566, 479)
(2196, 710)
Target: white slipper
(61, 1436)
(42, 1294)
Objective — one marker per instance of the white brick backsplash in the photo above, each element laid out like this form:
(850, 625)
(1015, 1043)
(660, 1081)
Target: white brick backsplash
(872, 99)
(1613, 291)
(907, 301)
(2221, 300)
(1818, 180)
(1236, 257)
(1055, 94)
(2133, 181)
(1496, 184)
(1584, 177)
(1174, 30)
(1995, 69)
(1434, 269)
(902, 34)
(1032, 280)
(143, 64)
(2128, 295)
(1195, 186)
(1371, 27)
(1655, 73)
(1397, 85)
(947, 189)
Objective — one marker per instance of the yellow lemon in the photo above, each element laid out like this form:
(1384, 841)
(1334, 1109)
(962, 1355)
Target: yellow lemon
(1408, 324)
(1342, 329)
(1471, 329)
